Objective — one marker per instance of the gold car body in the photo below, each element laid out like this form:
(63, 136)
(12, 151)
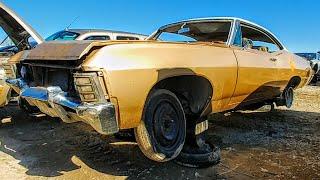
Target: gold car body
(164, 87)
(133, 69)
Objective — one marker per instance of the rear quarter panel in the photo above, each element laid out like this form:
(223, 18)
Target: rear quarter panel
(291, 65)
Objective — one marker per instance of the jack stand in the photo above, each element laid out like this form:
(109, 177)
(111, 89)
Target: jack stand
(196, 151)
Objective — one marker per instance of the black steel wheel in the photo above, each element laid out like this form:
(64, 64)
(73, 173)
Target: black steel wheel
(161, 134)
(289, 95)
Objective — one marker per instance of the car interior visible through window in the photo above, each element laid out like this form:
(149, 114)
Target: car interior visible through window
(126, 38)
(211, 31)
(255, 39)
(101, 38)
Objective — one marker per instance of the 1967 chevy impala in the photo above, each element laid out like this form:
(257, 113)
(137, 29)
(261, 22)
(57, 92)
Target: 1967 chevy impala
(163, 87)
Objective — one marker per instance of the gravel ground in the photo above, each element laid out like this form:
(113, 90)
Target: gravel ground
(281, 144)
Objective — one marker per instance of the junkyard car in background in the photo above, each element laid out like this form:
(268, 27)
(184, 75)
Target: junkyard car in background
(34, 38)
(94, 34)
(164, 87)
(314, 59)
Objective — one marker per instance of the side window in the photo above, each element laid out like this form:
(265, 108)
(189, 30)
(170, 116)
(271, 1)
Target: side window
(257, 39)
(126, 38)
(265, 46)
(98, 38)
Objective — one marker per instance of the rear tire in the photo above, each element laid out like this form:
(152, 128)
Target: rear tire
(162, 132)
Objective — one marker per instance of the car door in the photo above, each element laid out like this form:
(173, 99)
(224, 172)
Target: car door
(257, 67)
(22, 36)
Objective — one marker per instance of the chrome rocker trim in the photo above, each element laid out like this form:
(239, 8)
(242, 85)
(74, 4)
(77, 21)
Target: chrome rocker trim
(56, 103)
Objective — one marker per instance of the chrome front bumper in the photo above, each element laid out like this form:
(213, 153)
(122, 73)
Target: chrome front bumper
(56, 103)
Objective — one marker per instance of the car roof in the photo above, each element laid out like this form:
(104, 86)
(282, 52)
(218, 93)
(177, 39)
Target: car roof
(219, 18)
(229, 18)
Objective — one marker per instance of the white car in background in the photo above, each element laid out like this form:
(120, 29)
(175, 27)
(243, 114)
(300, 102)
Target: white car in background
(94, 35)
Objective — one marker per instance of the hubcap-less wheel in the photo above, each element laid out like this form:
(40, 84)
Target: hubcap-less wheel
(289, 97)
(162, 133)
(165, 124)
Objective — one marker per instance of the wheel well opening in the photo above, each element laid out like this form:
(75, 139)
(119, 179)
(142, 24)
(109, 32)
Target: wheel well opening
(294, 82)
(194, 92)
(316, 68)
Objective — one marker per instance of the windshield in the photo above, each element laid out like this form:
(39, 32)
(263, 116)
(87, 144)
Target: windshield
(63, 36)
(199, 31)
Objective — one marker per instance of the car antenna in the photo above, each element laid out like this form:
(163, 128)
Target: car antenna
(74, 20)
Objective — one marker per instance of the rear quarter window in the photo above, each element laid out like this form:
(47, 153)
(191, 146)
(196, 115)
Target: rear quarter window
(126, 38)
(98, 38)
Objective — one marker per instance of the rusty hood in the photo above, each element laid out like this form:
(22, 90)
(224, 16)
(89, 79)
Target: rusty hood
(66, 50)
(77, 50)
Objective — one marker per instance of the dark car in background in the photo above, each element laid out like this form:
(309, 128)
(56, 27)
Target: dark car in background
(314, 59)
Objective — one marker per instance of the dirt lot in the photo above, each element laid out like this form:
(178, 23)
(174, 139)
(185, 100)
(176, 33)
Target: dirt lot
(282, 144)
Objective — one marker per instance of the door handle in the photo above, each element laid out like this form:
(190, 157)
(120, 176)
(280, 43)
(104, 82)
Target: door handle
(273, 59)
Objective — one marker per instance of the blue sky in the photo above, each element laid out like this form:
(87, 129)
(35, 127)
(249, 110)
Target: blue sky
(295, 22)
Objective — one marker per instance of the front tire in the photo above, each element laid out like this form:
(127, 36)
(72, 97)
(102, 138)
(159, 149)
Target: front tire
(162, 132)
